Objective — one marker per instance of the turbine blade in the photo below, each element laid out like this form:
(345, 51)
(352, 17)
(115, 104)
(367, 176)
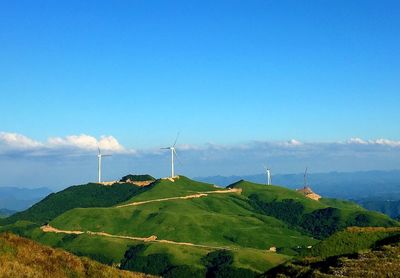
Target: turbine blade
(176, 139)
(177, 158)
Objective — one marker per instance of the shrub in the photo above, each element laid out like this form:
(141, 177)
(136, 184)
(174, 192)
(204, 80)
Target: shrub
(322, 223)
(156, 264)
(137, 178)
(219, 264)
(287, 210)
(184, 271)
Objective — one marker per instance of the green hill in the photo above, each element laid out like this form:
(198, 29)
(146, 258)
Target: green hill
(79, 196)
(180, 222)
(319, 219)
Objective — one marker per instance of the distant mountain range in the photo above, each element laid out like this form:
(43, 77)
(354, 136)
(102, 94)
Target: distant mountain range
(6, 212)
(17, 199)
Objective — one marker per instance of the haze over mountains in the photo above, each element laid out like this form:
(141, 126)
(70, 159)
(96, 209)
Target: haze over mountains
(17, 198)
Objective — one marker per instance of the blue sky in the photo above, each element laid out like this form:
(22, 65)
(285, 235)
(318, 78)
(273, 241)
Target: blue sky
(222, 72)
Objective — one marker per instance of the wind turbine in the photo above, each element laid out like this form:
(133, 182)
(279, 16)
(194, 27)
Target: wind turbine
(173, 153)
(99, 157)
(268, 172)
(305, 177)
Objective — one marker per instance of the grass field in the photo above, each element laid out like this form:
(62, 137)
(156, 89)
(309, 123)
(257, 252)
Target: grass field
(215, 220)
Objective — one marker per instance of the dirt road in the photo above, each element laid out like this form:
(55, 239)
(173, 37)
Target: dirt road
(197, 195)
(153, 238)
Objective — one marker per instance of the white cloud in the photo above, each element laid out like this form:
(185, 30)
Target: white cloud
(294, 142)
(378, 142)
(387, 142)
(82, 141)
(86, 142)
(357, 141)
(10, 142)
(17, 141)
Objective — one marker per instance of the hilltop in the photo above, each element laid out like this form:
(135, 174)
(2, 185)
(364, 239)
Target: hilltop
(179, 223)
(80, 196)
(20, 257)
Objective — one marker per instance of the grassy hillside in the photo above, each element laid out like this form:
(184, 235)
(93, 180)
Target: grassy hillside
(80, 196)
(216, 220)
(245, 222)
(351, 240)
(272, 193)
(20, 257)
(111, 251)
(353, 256)
(317, 218)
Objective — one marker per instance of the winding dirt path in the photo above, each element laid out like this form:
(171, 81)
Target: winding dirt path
(197, 195)
(153, 238)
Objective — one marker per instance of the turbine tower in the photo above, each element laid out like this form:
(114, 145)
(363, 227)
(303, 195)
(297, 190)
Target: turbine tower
(269, 177)
(305, 177)
(99, 157)
(173, 154)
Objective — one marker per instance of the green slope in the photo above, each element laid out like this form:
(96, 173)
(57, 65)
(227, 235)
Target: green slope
(80, 196)
(355, 252)
(319, 219)
(350, 241)
(216, 220)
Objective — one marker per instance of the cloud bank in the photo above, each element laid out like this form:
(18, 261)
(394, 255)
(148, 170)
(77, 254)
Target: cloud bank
(18, 144)
(72, 159)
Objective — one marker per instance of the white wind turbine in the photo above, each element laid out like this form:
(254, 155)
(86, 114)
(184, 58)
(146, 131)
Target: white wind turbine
(269, 177)
(305, 177)
(173, 153)
(99, 157)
